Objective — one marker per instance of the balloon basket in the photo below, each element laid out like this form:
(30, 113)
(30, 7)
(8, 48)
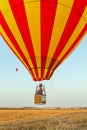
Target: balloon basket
(39, 99)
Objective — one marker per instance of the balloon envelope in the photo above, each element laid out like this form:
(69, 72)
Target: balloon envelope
(43, 33)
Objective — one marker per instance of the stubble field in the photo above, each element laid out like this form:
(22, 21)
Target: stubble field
(43, 119)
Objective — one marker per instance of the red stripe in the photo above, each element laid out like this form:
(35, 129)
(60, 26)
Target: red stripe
(0, 18)
(12, 39)
(85, 1)
(70, 26)
(48, 11)
(19, 13)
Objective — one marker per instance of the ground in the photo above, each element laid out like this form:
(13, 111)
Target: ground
(43, 119)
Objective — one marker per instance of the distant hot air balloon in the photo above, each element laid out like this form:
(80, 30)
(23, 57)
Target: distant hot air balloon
(43, 33)
(16, 69)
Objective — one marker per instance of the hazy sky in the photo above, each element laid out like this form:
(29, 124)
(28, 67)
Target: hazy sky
(67, 87)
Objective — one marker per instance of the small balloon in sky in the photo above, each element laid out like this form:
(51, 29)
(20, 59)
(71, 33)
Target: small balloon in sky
(16, 69)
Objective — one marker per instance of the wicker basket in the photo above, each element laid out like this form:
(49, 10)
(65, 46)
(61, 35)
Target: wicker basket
(39, 99)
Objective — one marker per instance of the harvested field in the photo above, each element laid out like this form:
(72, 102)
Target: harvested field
(43, 119)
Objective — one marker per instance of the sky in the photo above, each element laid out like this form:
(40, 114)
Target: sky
(66, 88)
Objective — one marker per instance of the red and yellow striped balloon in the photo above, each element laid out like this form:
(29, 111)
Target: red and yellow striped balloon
(43, 33)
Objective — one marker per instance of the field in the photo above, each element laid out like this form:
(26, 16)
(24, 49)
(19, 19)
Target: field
(43, 119)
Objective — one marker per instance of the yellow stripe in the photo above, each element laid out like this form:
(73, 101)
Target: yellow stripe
(4, 5)
(14, 29)
(68, 3)
(45, 73)
(33, 17)
(62, 15)
(85, 14)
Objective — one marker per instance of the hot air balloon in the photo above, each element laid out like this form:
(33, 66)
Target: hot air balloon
(16, 69)
(43, 33)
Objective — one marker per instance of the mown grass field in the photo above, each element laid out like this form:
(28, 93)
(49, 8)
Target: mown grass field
(43, 119)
